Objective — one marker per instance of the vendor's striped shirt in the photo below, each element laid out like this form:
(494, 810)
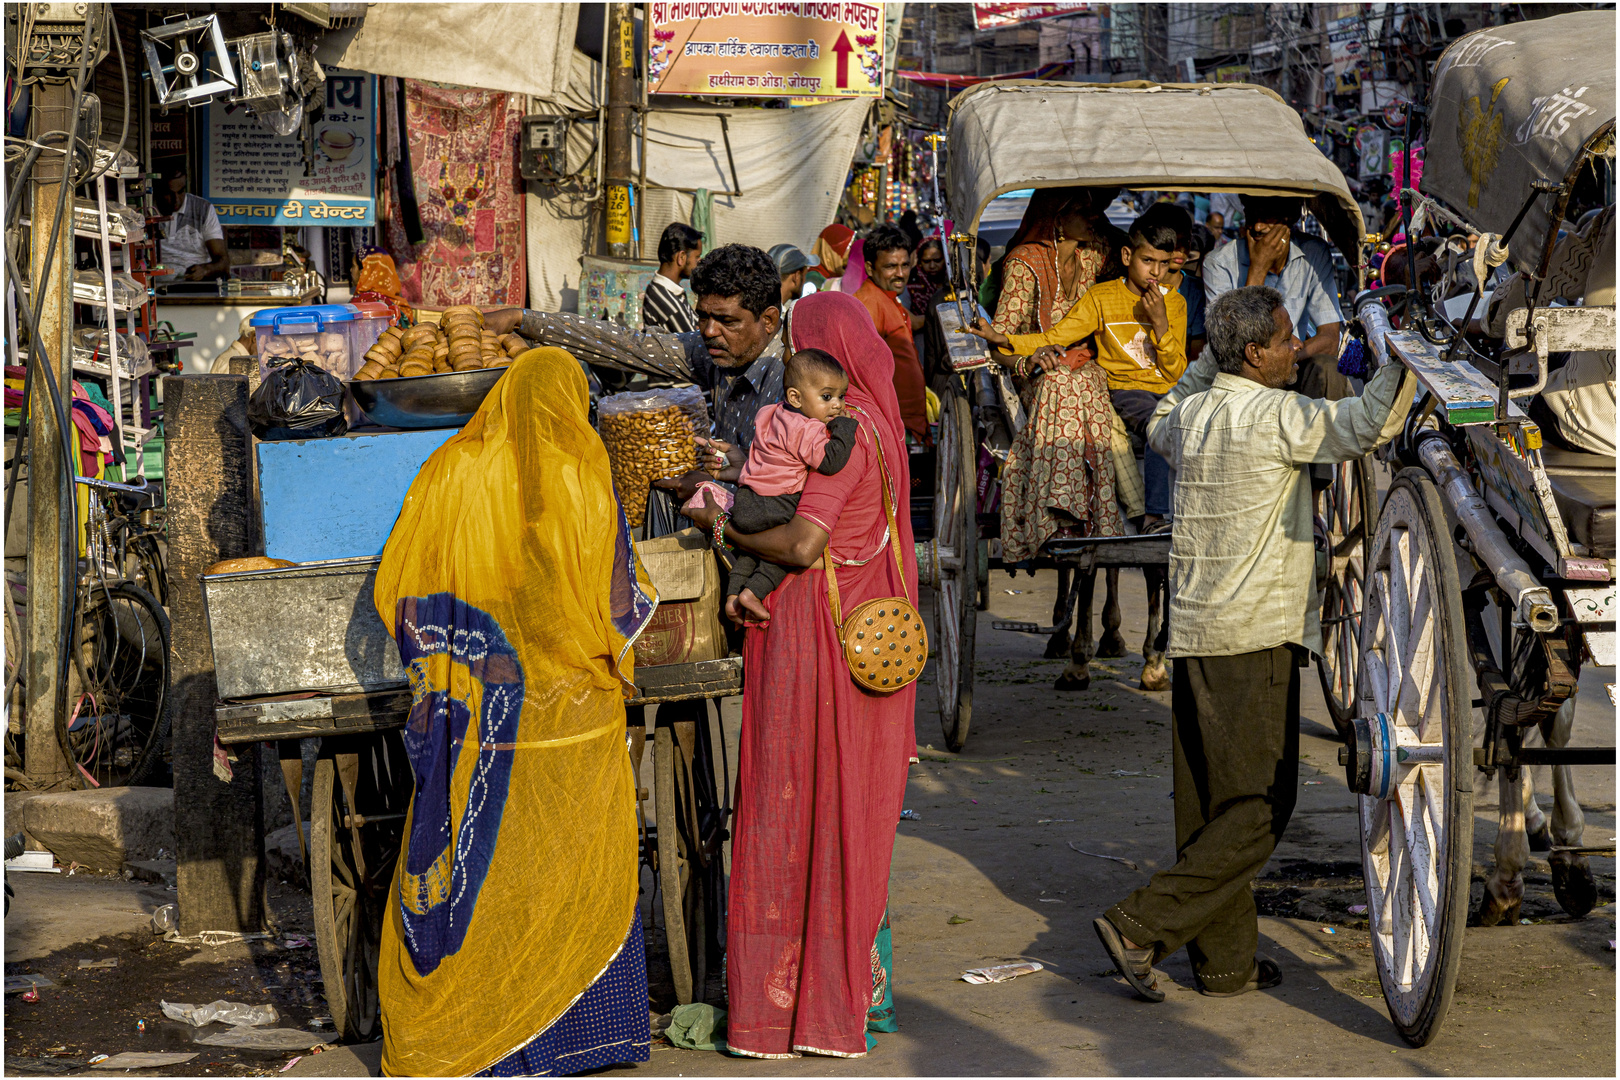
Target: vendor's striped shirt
(664, 307)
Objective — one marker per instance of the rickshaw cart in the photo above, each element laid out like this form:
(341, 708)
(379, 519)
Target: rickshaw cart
(1020, 134)
(299, 652)
(1485, 511)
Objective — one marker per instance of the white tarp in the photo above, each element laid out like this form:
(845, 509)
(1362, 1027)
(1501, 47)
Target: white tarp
(1199, 137)
(520, 48)
(791, 165)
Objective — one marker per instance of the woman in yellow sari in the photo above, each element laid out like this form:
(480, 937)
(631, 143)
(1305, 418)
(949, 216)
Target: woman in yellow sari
(513, 944)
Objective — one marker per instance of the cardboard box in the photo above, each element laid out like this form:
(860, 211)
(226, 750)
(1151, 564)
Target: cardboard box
(686, 628)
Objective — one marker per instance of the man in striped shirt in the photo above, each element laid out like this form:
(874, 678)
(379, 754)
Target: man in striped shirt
(663, 305)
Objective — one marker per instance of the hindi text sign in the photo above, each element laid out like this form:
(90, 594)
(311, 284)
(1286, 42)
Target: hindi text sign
(766, 48)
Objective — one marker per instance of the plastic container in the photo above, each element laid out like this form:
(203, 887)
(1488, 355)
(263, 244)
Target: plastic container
(332, 336)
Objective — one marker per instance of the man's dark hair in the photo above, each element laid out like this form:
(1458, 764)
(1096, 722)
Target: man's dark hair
(1240, 318)
(807, 362)
(678, 239)
(1284, 208)
(983, 249)
(1202, 240)
(882, 238)
(741, 271)
(1165, 226)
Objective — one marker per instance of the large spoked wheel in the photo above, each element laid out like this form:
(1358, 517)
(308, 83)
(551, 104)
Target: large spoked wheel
(1347, 520)
(956, 534)
(357, 822)
(691, 831)
(1415, 707)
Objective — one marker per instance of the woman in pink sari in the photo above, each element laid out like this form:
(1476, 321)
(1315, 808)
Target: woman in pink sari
(822, 769)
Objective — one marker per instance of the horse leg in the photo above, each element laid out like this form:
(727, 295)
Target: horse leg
(1504, 888)
(1077, 676)
(1155, 675)
(1571, 875)
(1112, 642)
(1057, 646)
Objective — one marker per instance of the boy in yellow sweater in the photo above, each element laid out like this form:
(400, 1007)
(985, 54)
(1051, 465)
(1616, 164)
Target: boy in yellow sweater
(1141, 333)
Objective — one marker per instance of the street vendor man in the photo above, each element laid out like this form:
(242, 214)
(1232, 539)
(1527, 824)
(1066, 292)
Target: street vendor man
(735, 355)
(1243, 620)
(192, 242)
(1271, 250)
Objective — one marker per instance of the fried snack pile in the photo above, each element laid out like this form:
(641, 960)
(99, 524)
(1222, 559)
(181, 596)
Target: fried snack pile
(458, 343)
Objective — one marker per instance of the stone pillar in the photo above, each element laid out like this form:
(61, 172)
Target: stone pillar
(212, 515)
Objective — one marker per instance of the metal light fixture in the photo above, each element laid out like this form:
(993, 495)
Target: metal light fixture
(184, 80)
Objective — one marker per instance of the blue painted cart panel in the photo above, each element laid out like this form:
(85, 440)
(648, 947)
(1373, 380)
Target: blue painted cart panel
(338, 498)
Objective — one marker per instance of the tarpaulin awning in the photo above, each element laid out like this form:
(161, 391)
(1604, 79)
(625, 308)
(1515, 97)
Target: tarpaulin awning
(957, 82)
(1229, 137)
(523, 48)
(1513, 104)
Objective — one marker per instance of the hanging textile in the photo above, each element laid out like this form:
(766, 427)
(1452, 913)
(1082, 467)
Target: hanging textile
(459, 154)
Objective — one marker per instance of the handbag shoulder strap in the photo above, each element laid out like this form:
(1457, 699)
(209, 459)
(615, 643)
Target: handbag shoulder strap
(894, 536)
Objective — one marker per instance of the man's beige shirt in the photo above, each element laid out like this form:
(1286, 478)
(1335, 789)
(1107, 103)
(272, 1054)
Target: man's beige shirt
(1242, 559)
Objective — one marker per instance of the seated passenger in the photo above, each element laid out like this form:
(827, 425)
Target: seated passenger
(1141, 331)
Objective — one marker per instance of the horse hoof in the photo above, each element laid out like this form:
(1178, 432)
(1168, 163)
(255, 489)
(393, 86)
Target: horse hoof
(1495, 910)
(1112, 645)
(1071, 681)
(1155, 676)
(1573, 885)
(1058, 646)
(1541, 839)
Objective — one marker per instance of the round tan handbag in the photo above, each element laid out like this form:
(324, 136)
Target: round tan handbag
(884, 642)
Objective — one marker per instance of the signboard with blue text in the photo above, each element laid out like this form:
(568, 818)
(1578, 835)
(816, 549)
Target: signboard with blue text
(253, 176)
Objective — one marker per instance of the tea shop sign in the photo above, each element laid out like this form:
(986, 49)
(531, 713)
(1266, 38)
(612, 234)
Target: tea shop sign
(253, 176)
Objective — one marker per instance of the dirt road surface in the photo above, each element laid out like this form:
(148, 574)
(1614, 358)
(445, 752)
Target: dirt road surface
(989, 873)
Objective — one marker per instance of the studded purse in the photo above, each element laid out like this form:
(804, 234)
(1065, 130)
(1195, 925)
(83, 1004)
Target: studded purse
(884, 642)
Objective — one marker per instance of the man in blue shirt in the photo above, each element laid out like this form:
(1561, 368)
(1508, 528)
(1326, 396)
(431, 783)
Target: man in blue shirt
(1270, 251)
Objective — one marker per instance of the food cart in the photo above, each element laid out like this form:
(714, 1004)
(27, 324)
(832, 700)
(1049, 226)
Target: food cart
(300, 652)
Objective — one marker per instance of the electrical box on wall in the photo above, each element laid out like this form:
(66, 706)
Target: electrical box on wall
(545, 148)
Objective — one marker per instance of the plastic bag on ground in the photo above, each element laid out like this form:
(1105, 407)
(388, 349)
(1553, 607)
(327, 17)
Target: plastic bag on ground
(266, 1038)
(297, 400)
(226, 1012)
(696, 1027)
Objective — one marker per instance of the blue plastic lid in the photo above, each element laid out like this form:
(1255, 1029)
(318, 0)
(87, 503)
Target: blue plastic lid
(296, 320)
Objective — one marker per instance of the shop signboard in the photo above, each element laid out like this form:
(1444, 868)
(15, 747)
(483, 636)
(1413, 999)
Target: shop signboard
(168, 133)
(991, 16)
(1345, 45)
(1232, 73)
(766, 48)
(256, 177)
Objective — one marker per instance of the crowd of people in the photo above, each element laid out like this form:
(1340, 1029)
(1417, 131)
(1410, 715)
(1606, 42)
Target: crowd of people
(817, 388)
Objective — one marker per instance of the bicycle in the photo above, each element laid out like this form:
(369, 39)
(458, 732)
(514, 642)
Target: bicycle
(118, 684)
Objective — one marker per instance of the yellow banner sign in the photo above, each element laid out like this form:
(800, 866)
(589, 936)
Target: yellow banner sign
(766, 48)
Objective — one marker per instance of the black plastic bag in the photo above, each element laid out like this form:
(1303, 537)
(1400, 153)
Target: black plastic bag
(297, 400)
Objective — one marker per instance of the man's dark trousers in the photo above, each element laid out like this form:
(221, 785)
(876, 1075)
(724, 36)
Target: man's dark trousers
(1236, 740)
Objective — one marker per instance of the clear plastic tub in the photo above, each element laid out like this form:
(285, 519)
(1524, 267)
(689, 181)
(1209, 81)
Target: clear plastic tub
(334, 336)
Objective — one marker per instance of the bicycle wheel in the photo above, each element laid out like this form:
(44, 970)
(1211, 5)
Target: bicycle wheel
(118, 686)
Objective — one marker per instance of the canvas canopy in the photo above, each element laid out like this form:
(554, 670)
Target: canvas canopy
(1513, 104)
(1189, 137)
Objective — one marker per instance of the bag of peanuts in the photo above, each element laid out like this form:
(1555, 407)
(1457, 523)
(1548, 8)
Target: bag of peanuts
(648, 435)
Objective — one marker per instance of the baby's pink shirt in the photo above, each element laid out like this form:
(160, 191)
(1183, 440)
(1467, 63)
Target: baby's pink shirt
(787, 445)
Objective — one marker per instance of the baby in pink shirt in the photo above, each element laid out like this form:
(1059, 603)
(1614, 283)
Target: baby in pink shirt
(807, 431)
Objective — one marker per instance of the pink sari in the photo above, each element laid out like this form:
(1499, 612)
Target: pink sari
(822, 767)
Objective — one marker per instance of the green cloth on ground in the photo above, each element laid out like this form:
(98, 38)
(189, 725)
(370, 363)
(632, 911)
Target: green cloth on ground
(696, 1027)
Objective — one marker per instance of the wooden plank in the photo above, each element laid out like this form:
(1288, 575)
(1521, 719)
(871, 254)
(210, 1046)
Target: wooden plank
(1592, 605)
(301, 718)
(686, 682)
(1465, 396)
(1112, 550)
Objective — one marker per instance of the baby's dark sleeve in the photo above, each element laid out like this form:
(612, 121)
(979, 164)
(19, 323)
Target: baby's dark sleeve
(840, 441)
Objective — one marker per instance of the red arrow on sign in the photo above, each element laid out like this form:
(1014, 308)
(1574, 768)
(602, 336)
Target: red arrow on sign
(843, 48)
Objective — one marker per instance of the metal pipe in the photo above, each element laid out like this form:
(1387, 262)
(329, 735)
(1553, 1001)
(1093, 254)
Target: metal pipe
(1375, 321)
(1531, 599)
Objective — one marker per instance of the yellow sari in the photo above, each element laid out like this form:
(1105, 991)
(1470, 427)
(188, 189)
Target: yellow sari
(515, 598)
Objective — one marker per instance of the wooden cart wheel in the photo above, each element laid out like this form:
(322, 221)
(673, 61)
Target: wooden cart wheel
(956, 532)
(1414, 729)
(1349, 513)
(357, 821)
(682, 860)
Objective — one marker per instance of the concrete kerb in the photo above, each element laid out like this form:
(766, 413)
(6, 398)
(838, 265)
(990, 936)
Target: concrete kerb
(104, 828)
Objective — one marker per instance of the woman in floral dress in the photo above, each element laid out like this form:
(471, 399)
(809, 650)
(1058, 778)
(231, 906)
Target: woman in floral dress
(1059, 479)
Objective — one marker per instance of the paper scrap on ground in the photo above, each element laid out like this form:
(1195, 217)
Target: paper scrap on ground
(109, 962)
(226, 1012)
(142, 1060)
(1358, 909)
(246, 1038)
(1001, 972)
(18, 983)
(34, 862)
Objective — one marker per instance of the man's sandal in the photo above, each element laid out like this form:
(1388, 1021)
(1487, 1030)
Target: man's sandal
(1266, 975)
(1135, 964)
